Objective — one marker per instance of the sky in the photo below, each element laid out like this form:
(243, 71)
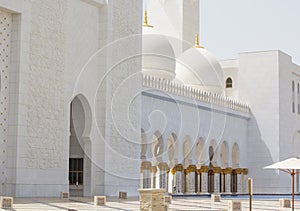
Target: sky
(228, 27)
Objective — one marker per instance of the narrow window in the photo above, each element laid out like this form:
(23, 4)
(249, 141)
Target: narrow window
(76, 171)
(228, 83)
(293, 97)
(298, 98)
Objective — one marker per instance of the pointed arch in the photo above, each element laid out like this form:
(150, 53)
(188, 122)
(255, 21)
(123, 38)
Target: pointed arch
(213, 152)
(235, 155)
(143, 152)
(187, 151)
(224, 154)
(172, 150)
(200, 151)
(157, 147)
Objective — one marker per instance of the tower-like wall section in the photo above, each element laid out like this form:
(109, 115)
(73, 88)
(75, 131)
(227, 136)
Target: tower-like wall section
(42, 153)
(6, 22)
(123, 99)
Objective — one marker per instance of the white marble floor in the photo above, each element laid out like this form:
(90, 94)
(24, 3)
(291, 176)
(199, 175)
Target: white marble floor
(86, 204)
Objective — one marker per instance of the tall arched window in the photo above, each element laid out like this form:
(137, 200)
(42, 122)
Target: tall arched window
(229, 83)
(293, 96)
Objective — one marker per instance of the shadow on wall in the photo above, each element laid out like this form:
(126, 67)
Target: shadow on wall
(259, 156)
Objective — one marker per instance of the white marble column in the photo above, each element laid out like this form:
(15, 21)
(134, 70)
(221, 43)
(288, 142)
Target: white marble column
(186, 183)
(162, 180)
(153, 176)
(192, 182)
(204, 182)
(146, 178)
(217, 182)
(163, 168)
(178, 183)
(190, 179)
(227, 183)
(243, 181)
(177, 171)
(239, 183)
(198, 182)
(146, 174)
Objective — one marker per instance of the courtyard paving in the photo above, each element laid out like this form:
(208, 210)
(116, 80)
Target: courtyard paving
(82, 204)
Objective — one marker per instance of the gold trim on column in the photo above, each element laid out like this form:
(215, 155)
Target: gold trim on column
(245, 171)
(145, 165)
(177, 167)
(190, 168)
(153, 169)
(204, 169)
(239, 170)
(163, 167)
(227, 170)
(217, 170)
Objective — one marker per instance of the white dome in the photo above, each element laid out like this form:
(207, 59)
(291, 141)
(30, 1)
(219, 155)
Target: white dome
(158, 56)
(198, 68)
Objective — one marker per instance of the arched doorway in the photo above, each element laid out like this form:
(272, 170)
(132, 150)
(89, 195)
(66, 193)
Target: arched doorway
(211, 181)
(80, 148)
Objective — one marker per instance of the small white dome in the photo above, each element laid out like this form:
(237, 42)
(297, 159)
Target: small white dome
(158, 58)
(198, 68)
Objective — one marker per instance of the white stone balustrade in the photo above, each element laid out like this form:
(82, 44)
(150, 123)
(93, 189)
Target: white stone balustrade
(196, 94)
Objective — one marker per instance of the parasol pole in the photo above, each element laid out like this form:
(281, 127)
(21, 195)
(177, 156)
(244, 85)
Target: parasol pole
(293, 184)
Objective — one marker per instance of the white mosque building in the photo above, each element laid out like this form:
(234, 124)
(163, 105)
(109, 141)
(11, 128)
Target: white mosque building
(97, 100)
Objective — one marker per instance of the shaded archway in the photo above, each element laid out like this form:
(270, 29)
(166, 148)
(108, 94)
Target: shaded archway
(210, 181)
(157, 148)
(80, 147)
(143, 152)
(213, 153)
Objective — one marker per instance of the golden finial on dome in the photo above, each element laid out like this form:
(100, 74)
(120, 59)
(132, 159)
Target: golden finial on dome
(145, 24)
(197, 42)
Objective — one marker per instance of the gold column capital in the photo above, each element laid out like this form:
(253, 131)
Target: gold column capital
(153, 169)
(145, 165)
(190, 168)
(177, 167)
(203, 169)
(163, 167)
